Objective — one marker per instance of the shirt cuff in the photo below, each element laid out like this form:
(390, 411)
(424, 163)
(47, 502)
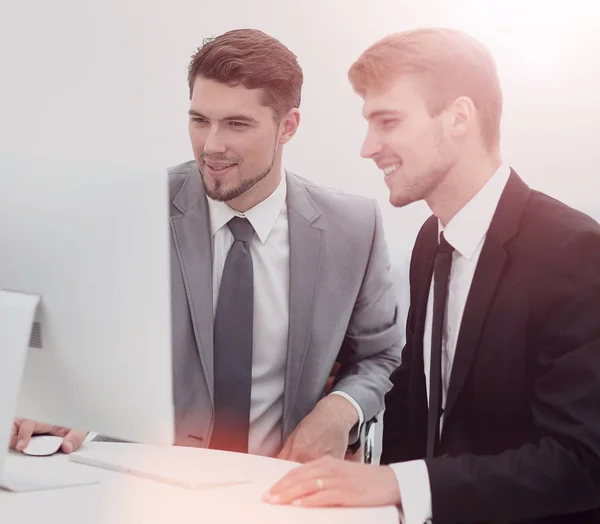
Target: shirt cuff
(415, 491)
(356, 430)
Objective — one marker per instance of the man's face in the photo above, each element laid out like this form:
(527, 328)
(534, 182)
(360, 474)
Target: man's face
(409, 145)
(234, 137)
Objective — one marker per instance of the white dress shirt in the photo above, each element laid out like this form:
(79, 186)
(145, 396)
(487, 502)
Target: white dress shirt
(466, 233)
(270, 251)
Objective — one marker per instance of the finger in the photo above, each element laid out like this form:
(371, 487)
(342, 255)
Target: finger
(295, 491)
(24, 432)
(286, 483)
(14, 432)
(297, 482)
(284, 454)
(308, 455)
(297, 454)
(58, 431)
(296, 475)
(322, 467)
(325, 498)
(73, 440)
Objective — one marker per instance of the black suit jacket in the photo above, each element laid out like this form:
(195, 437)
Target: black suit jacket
(521, 434)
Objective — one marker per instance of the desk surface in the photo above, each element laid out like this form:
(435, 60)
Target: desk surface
(127, 499)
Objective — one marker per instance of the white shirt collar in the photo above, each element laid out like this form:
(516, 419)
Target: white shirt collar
(469, 226)
(262, 216)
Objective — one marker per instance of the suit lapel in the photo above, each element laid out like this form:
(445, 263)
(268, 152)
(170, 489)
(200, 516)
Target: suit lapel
(492, 259)
(485, 280)
(420, 282)
(305, 253)
(423, 268)
(193, 243)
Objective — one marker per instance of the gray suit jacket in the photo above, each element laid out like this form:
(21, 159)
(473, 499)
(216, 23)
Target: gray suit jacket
(342, 303)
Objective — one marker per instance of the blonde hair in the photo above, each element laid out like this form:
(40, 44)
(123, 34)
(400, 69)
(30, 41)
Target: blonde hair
(450, 64)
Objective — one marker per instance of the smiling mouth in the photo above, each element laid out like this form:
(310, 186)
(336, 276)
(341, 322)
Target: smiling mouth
(388, 170)
(219, 169)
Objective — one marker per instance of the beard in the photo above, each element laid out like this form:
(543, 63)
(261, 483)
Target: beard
(223, 192)
(423, 184)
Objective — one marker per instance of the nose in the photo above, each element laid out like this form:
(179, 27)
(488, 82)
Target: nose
(214, 143)
(371, 145)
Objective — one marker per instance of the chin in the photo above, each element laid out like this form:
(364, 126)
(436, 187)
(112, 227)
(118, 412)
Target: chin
(401, 199)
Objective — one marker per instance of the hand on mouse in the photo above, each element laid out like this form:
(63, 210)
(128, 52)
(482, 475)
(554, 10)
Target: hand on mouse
(23, 429)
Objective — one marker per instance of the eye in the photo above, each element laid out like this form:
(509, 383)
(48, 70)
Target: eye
(238, 125)
(389, 122)
(199, 120)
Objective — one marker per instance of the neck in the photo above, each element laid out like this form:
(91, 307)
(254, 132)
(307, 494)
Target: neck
(259, 191)
(461, 184)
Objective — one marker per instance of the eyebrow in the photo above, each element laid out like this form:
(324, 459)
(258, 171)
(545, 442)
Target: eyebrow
(238, 118)
(382, 113)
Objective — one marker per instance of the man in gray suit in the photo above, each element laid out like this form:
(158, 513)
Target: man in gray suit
(274, 279)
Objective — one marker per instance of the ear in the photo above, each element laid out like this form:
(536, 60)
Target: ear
(289, 125)
(461, 116)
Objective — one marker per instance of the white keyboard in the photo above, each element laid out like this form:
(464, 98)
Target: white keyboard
(41, 474)
(169, 465)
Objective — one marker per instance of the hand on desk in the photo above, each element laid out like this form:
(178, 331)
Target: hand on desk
(23, 429)
(332, 482)
(324, 431)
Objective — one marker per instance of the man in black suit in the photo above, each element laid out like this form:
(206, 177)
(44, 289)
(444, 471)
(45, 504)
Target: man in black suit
(494, 414)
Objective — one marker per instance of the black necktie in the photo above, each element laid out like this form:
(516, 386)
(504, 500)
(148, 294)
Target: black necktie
(441, 276)
(233, 343)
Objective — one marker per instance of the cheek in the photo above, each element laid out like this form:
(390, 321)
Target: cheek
(420, 146)
(255, 148)
(406, 138)
(394, 143)
(197, 137)
(243, 148)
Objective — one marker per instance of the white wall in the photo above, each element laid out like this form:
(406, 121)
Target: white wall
(87, 81)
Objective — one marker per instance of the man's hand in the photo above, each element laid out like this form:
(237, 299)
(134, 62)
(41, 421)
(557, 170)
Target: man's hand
(332, 482)
(23, 429)
(324, 431)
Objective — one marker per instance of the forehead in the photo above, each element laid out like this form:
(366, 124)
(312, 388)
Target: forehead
(400, 95)
(219, 100)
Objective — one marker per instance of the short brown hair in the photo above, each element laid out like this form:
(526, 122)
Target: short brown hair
(255, 60)
(451, 64)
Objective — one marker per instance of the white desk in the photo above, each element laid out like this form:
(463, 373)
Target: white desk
(125, 499)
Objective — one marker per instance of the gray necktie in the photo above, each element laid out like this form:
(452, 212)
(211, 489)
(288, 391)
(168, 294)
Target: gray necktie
(233, 343)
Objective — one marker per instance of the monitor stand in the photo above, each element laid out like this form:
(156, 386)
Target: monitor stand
(17, 314)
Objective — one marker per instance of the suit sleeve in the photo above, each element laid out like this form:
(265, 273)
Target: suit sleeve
(398, 434)
(371, 348)
(396, 442)
(559, 472)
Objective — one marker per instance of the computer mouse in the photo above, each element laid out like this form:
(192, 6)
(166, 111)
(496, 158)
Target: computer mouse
(43, 445)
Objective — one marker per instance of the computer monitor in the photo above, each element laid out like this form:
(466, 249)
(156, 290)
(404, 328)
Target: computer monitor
(85, 302)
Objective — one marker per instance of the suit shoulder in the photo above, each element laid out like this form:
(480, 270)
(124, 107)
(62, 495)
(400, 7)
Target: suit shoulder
(557, 218)
(334, 198)
(177, 176)
(181, 169)
(558, 238)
